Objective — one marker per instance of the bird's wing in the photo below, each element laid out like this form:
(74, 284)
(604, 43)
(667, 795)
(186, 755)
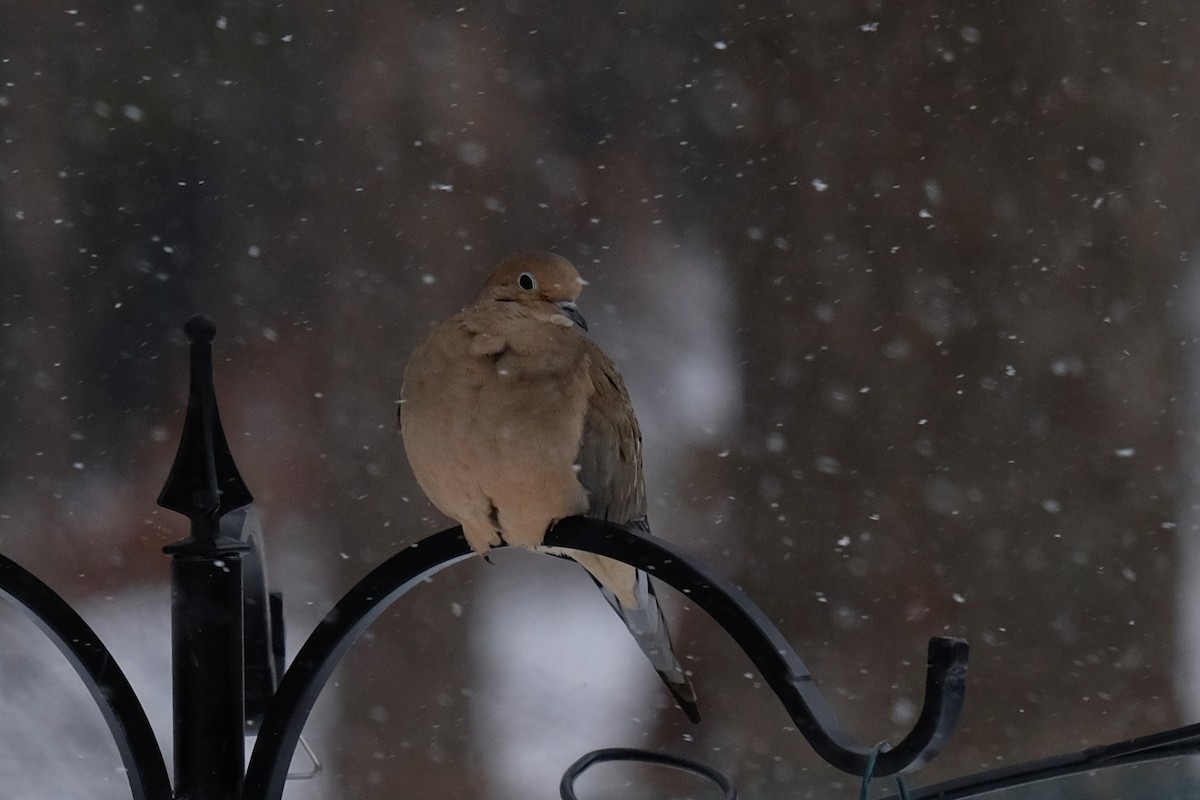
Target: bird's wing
(610, 450)
(610, 469)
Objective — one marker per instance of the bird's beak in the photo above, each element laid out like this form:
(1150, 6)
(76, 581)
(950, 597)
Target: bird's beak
(572, 313)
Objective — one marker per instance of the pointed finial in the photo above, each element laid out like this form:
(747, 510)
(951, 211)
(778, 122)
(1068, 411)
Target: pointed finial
(200, 329)
(204, 483)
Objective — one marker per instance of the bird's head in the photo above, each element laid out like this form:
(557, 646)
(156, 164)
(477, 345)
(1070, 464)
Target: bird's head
(538, 282)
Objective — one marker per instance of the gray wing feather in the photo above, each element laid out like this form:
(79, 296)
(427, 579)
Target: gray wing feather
(610, 469)
(649, 630)
(610, 451)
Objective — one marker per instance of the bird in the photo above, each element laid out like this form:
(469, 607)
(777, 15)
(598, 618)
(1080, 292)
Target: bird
(513, 419)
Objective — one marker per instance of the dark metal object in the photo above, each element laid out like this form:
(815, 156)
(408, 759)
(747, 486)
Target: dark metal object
(566, 789)
(1174, 743)
(341, 627)
(750, 628)
(228, 645)
(208, 682)
(262, 614)
(227, 640)
(98, 669)
(204, 484)
(781, 667)
(214, 677)
(207, 660)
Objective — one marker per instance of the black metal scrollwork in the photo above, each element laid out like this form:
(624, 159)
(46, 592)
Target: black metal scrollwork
(227, 632)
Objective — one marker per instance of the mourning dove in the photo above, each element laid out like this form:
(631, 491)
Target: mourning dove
(513, 419)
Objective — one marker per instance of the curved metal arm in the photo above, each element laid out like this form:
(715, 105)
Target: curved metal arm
(1174, 743)
(781, 667)
(750, 628)
(105, 681)
(306, 677)
(566, 787)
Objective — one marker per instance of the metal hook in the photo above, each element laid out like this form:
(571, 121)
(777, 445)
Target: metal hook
(776, 660)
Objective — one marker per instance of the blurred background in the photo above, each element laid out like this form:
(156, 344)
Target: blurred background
(904, 293)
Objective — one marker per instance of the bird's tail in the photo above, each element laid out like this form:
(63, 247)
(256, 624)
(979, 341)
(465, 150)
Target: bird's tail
(632, 596)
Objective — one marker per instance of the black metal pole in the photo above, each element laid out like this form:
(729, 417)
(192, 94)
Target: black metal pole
(206, 594)
(207, 674)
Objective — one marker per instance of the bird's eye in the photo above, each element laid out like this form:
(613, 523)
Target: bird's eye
(526, 281)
